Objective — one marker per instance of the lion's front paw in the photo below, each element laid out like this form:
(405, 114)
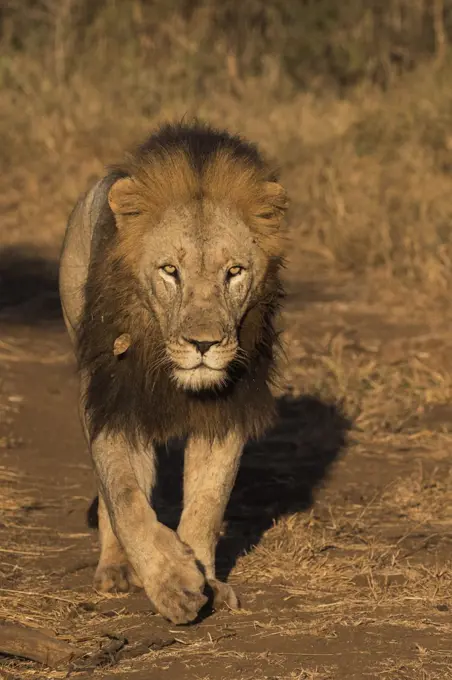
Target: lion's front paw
(115, 578)
(175, 585)
(223, 595)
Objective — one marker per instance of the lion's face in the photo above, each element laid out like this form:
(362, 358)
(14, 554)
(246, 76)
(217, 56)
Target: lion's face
(200, 269)
(201, 246)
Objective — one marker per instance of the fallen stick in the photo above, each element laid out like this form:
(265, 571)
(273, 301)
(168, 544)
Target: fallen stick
(31, 643)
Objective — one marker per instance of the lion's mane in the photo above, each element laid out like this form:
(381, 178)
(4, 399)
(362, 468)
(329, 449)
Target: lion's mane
(133, 394)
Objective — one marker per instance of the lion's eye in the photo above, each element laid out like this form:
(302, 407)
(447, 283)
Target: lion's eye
(170, 270)
(234, 271)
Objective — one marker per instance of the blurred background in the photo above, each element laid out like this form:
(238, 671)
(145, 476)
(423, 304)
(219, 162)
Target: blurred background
(352, 98)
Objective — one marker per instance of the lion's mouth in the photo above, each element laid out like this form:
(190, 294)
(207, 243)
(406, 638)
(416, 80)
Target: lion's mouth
(203, 364)
(199, 377)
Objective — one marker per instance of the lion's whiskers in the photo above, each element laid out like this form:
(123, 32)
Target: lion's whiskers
(160, 358)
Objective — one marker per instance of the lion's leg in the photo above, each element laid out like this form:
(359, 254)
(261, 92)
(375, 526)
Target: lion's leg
(113, 573)
(164, 565)
(209, 475)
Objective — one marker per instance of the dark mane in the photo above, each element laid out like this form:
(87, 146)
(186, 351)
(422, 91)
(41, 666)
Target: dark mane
(200, 141)
(134, 394)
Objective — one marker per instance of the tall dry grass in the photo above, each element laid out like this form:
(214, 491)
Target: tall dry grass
(354, 102)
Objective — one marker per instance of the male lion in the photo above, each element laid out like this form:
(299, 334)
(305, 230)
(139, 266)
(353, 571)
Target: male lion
(169, 286)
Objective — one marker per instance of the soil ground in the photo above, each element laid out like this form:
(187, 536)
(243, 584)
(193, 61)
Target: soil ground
(338, 536)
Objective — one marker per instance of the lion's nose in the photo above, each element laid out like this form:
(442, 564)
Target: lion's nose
(202, 346)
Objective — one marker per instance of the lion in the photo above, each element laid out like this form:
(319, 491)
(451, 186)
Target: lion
(170, 287)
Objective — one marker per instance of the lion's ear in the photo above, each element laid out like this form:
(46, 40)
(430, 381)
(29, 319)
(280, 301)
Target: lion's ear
(122, 197)
(277, 196)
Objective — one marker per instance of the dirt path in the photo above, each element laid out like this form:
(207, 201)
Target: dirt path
(354, 585)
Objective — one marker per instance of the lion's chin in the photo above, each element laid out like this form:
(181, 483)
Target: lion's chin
(200, 378)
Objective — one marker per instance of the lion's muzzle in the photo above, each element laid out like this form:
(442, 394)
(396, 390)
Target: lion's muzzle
(200, 363)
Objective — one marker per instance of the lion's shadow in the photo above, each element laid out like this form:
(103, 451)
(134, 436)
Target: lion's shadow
(28, 288)
(278, 475)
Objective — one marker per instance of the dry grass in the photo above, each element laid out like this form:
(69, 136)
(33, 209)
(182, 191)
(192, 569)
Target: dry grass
(386, 387)
(371, 558)
(369, 175)
(369, 172)
(356, 566)
(12, 496)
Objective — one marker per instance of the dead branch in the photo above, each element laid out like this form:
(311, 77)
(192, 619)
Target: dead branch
(31, 643)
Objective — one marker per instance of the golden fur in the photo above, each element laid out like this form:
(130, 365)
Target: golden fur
(154, 183)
